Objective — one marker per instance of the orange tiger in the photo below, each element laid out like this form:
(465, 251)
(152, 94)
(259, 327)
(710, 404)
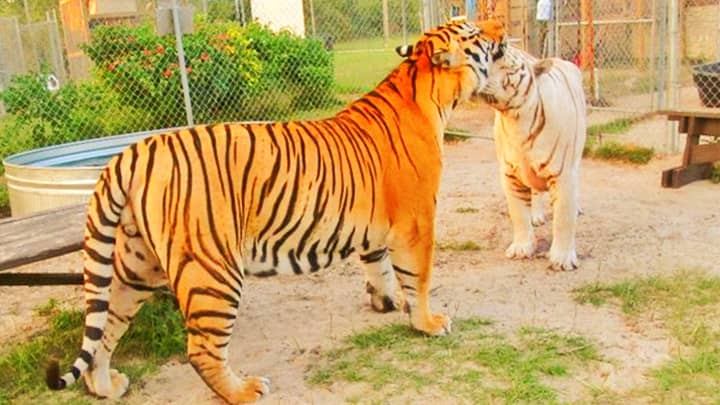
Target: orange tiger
(199, 208)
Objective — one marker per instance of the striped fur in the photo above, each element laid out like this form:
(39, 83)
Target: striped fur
(200, 208)
(539, 137)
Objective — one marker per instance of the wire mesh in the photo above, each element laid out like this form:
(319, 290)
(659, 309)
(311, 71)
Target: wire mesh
(698, 30)
(80, 73)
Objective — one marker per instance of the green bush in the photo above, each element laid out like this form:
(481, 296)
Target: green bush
(232, 71)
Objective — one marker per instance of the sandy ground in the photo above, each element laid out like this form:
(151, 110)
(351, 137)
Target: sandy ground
(630, 227)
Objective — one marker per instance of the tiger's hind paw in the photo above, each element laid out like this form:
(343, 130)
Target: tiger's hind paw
(116, 388)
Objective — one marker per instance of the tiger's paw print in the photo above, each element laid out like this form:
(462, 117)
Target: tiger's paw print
(253, 389)
(563, 261)
(435, 325)
(518, 250)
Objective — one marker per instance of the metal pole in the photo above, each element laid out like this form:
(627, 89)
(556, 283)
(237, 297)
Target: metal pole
(242, 12)
(403, 13)
(20, 50)
(652, 65)
(661, 59)
(312, 18)
(26, 5)
(673, 70)
(181, 63)
(556, 29)
(386, 23)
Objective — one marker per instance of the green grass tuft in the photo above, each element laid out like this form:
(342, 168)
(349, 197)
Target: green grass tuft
(614, 150)
(4, 200)
(474, 363)
(688, 303)
(627, 153)
(715, 173)
(466, 210)
(467, 245)
(156, 334)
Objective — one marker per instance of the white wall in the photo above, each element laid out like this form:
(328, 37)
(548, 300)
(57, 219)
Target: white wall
(280, 14)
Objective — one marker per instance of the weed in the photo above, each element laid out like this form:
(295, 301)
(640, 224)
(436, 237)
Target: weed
(474, 363)
(715, 173)
(688, 303)
(467, 245)
(467, 210)
(627, 153)
(156, 334)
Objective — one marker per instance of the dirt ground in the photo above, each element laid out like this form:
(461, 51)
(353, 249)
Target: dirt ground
(630, 227)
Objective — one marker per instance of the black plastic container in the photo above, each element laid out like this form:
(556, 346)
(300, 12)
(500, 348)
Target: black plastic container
(707, 81)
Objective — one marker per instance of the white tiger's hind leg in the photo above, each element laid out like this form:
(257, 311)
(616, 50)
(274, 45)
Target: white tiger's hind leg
(562, 253)
(537, 207)
(136, 274)
(519, 199)
(380, 281)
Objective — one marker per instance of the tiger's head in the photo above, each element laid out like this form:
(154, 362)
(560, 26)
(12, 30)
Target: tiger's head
(511, 79)
(459, 55)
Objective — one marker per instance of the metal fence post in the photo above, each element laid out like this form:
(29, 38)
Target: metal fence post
(181, 63)
(673, 71)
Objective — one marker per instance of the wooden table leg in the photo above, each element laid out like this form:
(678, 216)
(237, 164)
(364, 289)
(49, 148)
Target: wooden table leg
(680, 176)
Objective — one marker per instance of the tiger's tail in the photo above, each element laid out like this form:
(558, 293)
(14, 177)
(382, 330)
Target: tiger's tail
(104, 209)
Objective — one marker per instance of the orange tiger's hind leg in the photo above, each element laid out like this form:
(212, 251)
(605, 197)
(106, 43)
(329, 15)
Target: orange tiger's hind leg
(210, 307)
(136, 274)
(380, 281)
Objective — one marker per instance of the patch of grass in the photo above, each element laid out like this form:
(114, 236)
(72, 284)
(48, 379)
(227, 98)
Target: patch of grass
(474, 363)
(4, 200)
(457, 245)
(466, 210)
(688, 302)
(155, 335)
(715, 173)
(456, 135)
(614, 150)
(627, 153)
(617, 126)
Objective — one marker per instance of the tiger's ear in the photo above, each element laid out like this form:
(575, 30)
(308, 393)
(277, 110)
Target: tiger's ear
(404, 50)
(542, 66)
(447, 56)
(492, 29)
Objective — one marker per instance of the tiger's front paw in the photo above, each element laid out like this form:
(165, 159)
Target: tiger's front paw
(252, 389)
(538, 218)
(518, 250)
(434, 325)
(563, 261)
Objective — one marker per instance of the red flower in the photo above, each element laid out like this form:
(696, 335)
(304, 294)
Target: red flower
(131, 39)
(159, 49)
(111, 67)
(188, 69)
(146, 52)
(167, 73)
(204, 57)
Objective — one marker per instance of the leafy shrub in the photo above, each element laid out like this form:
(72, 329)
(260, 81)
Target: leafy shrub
(232, 71)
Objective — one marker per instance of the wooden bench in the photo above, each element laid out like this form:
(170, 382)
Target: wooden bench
(697, 159)
(37, 237)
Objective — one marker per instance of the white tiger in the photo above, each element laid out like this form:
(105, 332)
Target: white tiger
(539, 137)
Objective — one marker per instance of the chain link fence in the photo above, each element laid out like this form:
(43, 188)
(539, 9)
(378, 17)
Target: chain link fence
(95, 68)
